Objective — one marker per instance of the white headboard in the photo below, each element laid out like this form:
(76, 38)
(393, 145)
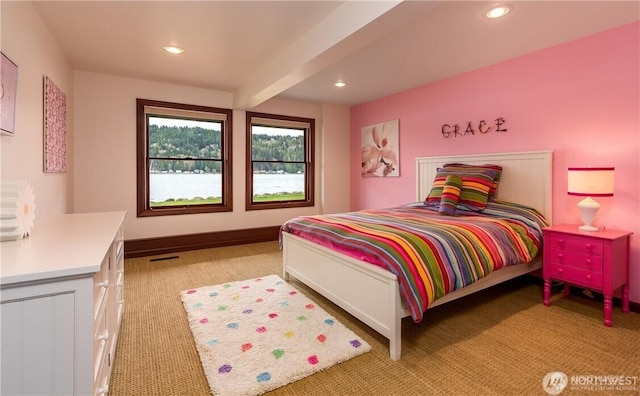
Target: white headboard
(526, 176)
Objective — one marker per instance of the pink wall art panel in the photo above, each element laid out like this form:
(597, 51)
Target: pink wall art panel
(55, 128)
(379, 150)
(8, 88)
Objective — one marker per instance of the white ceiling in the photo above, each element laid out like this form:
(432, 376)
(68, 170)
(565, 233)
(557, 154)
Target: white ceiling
(298, 49)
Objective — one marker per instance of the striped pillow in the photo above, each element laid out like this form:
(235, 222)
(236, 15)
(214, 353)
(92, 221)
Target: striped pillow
(467, 167)
(474, 192)
(450, 195)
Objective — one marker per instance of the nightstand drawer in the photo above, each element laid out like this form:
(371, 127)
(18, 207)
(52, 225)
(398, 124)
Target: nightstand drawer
(578, 244)
(573, 259)
(576, 276)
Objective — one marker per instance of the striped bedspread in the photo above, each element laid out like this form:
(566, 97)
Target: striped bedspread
(431, 254)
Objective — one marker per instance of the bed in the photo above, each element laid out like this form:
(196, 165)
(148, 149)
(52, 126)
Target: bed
(377, 301)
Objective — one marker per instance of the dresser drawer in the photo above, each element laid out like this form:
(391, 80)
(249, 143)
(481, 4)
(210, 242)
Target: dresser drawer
(574, 275)
(577, 244)
(100, 342)
(100, 292)
(120, 286)
(578, 260)
(119, 297)
(101, 284)
(101, 385)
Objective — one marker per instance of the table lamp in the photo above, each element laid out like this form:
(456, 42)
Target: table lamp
(590, 182)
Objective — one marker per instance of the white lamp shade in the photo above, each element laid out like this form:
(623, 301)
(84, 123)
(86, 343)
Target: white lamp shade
(590, 182)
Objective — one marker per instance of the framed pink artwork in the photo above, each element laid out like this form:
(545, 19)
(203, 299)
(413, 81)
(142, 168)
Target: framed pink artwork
(8, 88)
(380, 150)
(55, 128)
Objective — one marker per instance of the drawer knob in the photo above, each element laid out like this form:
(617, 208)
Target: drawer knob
(588, 261)
(104, 336)
(559, 270)
(104, 284)
(104, 390)
(589, 276)
(560, 255)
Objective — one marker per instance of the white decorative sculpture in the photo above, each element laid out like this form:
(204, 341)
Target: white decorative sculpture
(17, 210)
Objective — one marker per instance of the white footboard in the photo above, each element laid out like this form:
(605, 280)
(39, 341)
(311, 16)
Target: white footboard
(367, 292)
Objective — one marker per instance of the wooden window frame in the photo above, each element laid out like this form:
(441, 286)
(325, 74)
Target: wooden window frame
(142, 153)
(308, 162)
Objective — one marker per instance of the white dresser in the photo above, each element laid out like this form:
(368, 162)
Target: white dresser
(61, 303)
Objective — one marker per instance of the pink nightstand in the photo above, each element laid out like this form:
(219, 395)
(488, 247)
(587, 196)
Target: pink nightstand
(595, 260)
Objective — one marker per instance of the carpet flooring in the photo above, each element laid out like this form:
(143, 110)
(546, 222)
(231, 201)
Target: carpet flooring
(501, 341)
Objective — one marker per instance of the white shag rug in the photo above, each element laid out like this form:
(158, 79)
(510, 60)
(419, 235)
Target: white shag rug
(257, 335)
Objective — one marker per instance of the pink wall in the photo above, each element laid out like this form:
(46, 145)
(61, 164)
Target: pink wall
(580, 99)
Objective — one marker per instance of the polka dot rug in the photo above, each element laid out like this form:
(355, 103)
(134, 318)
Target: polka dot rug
(257, 335)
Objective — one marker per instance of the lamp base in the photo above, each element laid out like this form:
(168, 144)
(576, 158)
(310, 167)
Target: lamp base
(588, 208)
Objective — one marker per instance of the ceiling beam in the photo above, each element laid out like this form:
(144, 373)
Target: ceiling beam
(326, 43)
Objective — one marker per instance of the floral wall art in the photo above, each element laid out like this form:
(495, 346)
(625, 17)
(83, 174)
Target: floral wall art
(55, 128)
(380, 150)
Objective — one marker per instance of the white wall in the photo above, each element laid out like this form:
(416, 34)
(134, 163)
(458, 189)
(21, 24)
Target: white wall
(26, 40)
(105, 154)
(101, 141)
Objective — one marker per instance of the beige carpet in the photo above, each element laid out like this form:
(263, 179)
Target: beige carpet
(500, 341)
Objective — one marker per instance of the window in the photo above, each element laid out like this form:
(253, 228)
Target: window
(183, 159)
(279, 161)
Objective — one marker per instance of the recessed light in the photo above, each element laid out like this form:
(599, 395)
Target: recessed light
(340, 84)
(499, 10)
(173, 49)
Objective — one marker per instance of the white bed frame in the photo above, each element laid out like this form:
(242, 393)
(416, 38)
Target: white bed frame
(371, 293)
